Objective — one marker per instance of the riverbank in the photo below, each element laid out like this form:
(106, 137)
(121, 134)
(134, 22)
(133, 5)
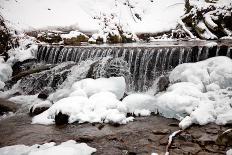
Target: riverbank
(143, 136)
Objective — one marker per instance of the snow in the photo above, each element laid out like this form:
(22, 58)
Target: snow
(5, 72)
(73, 34)
(229, 152)
(69, 147)
(89, 100)
(140, 104)
(116, 85)
(100, 107)
(43, 14)
(137, 16)
(208, 95)
(26, 50)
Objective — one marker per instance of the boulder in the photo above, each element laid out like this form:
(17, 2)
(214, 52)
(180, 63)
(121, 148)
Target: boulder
(49, 37)
(225, 138)
(162, 83)
(45, 93)
(7, 106)
(40, 107)
(61, 119)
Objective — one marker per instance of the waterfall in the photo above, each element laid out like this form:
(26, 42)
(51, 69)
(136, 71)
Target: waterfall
(145, 63)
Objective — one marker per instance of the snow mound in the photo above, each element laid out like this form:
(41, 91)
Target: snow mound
(140, 104)
(69, 147)
(116, 85)
(201, 93)
(100, 107)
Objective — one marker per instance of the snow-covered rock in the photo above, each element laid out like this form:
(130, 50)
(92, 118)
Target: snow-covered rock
(100, 107)
(140, 104)
(200, 93)
(69, 147)
(116, 85)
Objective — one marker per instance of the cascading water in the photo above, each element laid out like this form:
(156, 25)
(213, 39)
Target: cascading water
(145, 64)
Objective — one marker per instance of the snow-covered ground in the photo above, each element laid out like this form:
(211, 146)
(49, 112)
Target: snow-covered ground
(69, 148)
(139, 16)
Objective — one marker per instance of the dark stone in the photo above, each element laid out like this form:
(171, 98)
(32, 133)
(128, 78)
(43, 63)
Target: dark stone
(49, 37)
(35, 83)
(125, 95)
(225, 138)
(223, 50)
(7, 106)
(61, 119)
(37, 110)
(161, 132)
(162, 83)
(22, 66)
(45, 93)
(5, 37)
(85, 139)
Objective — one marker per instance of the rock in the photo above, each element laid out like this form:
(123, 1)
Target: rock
(225, 138)
(7, 106)
(76, 40)
(85, 139)
(61, 119)
(40, 107)
(161, 132)
(111, 67)
(45, 93)
(5, 37)
(162, 83)
(207, 139)
(25, 65)
(34, 83)
(49, 37)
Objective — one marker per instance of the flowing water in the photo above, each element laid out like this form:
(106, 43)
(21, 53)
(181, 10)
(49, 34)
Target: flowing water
(146, 62)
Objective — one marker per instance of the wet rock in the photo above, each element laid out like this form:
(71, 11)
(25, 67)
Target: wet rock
(5, 37)
(85, 139)
(34, 83)
(40, 107)
(207, 139)
(164, 140)
(45, 93)
(162, 83)
(7, 106)
(184, 137)
(225, 138)
(25, 65)
(49, 37)
(161, 132)
(61, 119)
